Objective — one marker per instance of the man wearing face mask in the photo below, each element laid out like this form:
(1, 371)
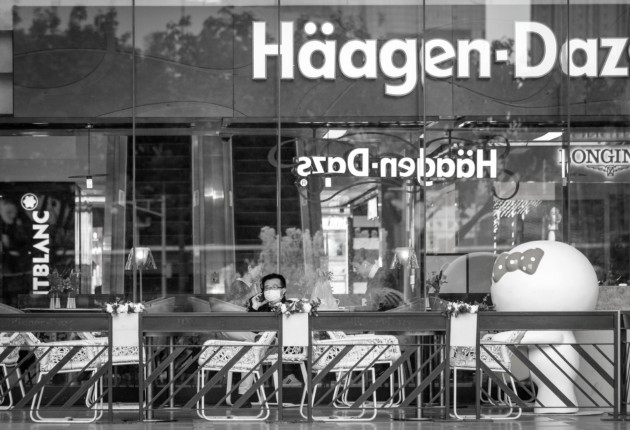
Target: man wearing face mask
(274, 288)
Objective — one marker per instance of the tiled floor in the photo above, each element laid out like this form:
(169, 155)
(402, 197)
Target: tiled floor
(20, 421)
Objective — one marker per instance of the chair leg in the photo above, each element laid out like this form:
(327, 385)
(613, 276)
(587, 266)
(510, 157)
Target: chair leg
(275, 386)
(262, 415)
(520, 410)
(341, 400)
(9, 394)
(505, 400)
(20, 383)
(486, 396)
(228, 388)
(18, 373)
(37, 401)
(401, 384)
(201, 404)
(455, 414)
(340, 418)
(303, 400)
(397, 375)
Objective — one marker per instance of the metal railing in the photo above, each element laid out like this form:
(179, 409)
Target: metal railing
(79, 371)
(357, 366)
(371, 374)
(563, 368)
(198, 372)
(624, 360)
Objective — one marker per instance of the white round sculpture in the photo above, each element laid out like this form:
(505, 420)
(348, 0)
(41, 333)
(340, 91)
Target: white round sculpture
(547, 276)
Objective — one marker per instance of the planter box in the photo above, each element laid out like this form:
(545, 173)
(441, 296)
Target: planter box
(295, 329)
(125, 329)
(463, 330)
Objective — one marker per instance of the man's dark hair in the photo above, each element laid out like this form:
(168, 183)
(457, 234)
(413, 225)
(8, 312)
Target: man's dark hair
(242, 266)
(272, 276)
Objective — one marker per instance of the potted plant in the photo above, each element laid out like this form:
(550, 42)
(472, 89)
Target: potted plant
(302, 258)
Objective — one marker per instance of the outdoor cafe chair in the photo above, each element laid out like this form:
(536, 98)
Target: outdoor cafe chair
(215, 357)
(121, 355)
(387, 357)
(360, 357)
(487, 395)
(52, 358)
(291, 354)
(498, 359)
(10, 360)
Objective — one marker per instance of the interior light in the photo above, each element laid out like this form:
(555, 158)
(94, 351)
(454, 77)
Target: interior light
(334, 133)
(88, 183)
(372, 208)
(549, 136)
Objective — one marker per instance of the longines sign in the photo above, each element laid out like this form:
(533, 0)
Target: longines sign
(605, 160)
(603, 57)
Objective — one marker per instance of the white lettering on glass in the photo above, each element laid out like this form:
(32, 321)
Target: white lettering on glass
(401, 61)
(40, 266)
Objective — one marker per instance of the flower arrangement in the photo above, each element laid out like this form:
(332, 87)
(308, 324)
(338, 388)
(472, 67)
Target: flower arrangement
(63, 284)
(456, 308)
(60, 284)
(299, 306)
(123, 307)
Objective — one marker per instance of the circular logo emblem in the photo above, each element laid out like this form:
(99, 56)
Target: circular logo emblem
(29, 201)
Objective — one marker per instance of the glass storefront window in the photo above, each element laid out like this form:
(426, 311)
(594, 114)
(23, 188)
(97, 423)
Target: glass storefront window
(469, 222)
(365, 218)
(599, 217)
(197, 136)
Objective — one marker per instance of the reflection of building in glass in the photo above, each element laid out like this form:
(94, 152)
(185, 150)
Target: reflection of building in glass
(198, 154)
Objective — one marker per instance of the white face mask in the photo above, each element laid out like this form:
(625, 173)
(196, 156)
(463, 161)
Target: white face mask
(273, 295)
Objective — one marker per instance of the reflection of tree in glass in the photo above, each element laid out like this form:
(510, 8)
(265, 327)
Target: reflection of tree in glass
(223, 42)
(303, 259)
(346, 26)
(44, 50)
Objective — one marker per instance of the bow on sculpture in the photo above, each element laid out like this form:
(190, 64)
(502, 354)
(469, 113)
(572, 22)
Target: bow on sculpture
(527, 262)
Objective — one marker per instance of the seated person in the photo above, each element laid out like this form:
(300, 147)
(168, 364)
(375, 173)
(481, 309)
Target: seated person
(382, 292)
(244, 286)
(274, 287)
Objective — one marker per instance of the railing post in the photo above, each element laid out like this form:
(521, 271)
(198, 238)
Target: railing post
(447, 371)
(280, 362)
(110, 376)
(616, 365)
(478, 375)
(141, 370)
(623, 364)
(309, 373)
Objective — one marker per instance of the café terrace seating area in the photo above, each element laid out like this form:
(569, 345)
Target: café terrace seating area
(85, 365)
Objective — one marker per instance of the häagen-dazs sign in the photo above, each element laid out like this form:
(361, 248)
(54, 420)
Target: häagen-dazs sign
(603, 57)
(358, 162)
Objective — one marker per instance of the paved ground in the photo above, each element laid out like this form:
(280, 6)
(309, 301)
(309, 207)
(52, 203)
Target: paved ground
(20, 421)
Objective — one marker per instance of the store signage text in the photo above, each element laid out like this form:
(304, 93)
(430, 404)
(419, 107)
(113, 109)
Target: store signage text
(434, 56)
(41, 242)
(357, 162)
(606, 160)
